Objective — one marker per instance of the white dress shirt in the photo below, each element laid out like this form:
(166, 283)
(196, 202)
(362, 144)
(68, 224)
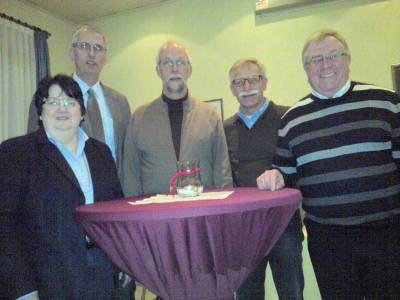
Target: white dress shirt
(106, 117)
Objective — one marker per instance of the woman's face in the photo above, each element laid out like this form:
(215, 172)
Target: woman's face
(60, 113)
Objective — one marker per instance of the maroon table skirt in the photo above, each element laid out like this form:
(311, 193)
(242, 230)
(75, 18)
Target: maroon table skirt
(191, 250)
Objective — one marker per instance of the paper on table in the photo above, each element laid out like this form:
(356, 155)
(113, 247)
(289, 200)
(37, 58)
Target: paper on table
(175, 198)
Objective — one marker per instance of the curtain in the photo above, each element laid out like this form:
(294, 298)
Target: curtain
(41, 55)
(17, 77)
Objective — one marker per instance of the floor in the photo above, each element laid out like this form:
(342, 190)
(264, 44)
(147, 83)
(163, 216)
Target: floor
(311, 291)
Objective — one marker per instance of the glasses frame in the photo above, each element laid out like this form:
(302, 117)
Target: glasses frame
(169, 63)
(56, 102)
(317, 60)
(240, 82)
(97, 48)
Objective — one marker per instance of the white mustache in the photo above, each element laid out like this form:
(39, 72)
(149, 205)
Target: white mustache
(175, 76)
(249, 93)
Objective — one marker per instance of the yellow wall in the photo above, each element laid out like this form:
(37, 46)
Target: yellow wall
(61, 31)
(217, 32)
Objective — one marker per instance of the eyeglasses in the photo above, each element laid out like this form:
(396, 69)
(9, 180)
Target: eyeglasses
(169, 63)
(56, 102)
(87, 46)
(317, 60)
(251, 80)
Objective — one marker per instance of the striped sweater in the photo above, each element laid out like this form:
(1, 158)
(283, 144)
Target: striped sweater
(343, 154)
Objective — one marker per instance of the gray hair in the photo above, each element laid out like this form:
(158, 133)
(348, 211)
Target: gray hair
(75, 37)
(319, 36)
(246, 61)
(179, 45)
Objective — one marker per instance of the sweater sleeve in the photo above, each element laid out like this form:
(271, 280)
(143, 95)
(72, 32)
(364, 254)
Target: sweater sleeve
(395, 125)
(284, 159)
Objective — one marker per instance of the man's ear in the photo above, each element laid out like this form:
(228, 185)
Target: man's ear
(264, 83)
(158, 70)
(71, 54)
(232, 89)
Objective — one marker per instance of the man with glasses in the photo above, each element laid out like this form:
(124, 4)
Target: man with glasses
(108, 111)
(251, 136)
(340, 146)
(174, 127)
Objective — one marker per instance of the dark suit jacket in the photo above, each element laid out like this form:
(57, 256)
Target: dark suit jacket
(41, 246)
(120, 111)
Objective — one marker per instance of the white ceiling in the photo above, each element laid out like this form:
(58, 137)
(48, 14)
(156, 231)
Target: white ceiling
(81, 11)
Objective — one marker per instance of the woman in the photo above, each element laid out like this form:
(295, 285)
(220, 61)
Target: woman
(43, 176)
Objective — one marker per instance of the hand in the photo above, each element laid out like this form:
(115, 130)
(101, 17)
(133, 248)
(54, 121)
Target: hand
(126, 279)
(32, 297)
(270, 180)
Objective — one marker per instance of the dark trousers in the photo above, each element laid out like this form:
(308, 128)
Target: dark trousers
(353, 262)
(286, 265)
(101, 281)
(108, 286)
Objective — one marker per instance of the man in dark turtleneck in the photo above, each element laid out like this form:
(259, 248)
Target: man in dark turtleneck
(173, 127)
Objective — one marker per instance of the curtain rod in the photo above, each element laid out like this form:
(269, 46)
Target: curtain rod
(4, 16)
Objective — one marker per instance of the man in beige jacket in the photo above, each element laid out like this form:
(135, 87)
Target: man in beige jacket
(173, 127)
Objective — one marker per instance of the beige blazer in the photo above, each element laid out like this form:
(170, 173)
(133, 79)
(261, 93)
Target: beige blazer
(149, 158)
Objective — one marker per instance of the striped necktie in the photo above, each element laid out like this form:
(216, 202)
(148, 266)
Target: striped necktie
(94, 117)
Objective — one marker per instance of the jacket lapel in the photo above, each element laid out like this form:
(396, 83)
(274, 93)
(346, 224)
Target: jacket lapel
(90, 151)
(51, 152)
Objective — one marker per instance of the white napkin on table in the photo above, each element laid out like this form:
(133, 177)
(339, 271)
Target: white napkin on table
(160, 198)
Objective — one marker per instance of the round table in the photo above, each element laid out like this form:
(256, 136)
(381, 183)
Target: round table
(195, 249)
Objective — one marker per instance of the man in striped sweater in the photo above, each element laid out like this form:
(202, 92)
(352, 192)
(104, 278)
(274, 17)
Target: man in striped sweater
(340, 146)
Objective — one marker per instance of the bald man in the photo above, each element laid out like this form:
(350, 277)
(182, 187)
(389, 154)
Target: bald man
(174, 127)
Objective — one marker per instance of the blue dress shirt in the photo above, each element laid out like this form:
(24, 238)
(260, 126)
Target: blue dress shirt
(250, 120)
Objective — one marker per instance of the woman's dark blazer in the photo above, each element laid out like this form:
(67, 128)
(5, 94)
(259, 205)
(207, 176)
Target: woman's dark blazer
(41, 246)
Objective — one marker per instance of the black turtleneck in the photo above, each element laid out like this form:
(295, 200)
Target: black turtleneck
(175, 113)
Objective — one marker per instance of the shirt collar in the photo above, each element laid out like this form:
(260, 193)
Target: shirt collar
(250, 120)
(82, 138)
(338, 94)
(85, 87)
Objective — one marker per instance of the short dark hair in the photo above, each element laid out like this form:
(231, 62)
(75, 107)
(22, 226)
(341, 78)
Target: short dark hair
(66, 83)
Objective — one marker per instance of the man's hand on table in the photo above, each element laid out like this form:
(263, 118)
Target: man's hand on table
(126, 279)
(32, 296)
(270, 180)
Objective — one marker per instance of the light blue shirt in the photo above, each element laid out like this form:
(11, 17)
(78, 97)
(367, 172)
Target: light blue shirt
(80, 166)
(106, 117)
(78, 163)
(250, 120)
(338, 94)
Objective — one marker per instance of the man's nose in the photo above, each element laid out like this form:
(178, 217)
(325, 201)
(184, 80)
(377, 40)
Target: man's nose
(246, 85)
(325, 62)
(174, 67)
(92, 52)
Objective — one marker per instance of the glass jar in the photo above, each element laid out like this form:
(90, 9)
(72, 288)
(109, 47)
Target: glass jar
(188, 178)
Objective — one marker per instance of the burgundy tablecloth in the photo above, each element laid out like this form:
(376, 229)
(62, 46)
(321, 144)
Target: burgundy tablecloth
(191, 250)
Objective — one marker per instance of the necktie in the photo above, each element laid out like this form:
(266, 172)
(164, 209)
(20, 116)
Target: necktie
(94, 117)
